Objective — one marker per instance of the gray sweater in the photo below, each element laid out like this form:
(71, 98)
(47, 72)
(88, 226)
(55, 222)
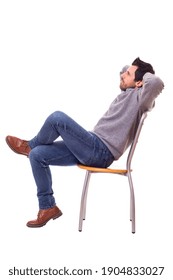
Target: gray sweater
(118, 125)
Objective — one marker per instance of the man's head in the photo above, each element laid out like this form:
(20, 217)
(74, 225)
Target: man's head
(133, 76)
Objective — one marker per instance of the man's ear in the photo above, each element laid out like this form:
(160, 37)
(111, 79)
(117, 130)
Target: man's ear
(139, 84)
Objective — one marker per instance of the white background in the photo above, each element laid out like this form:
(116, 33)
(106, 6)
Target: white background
(66, 55)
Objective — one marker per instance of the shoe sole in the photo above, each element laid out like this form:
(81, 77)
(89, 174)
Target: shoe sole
(41, 225)
(6, 139)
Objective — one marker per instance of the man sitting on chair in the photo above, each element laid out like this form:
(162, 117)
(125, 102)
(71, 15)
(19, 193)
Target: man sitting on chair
(109, 139)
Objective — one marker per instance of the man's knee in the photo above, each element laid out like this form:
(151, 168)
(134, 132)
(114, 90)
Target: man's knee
(57, 116)
(36, 154)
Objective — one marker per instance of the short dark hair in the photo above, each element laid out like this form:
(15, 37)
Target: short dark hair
(143, 67)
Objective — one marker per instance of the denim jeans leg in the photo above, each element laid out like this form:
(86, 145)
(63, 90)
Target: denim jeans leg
(41, 157)
(78, 145)
(83, 144)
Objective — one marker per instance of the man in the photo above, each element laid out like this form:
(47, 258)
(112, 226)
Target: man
(109, 139)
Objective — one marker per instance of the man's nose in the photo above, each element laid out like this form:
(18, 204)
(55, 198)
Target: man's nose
(122, 75)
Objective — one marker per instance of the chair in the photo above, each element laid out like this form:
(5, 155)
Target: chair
(125, 172)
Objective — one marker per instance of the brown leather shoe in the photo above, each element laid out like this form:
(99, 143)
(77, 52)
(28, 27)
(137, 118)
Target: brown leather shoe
(44, 215)
(18, 146)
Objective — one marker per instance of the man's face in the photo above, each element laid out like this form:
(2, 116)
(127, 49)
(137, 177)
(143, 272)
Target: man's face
(127, 78)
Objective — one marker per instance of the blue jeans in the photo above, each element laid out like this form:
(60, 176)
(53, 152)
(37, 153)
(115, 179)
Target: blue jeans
(75, 146)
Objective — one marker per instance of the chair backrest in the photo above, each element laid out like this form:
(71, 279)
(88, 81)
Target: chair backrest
(133, 145)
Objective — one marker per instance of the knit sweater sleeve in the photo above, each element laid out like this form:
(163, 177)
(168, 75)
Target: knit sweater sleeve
(152, 87)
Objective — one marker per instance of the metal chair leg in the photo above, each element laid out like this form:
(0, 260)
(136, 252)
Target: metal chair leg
(82, 214)
(132, 202)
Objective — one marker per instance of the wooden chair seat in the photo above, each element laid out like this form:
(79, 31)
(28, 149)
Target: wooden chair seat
(103, 170)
